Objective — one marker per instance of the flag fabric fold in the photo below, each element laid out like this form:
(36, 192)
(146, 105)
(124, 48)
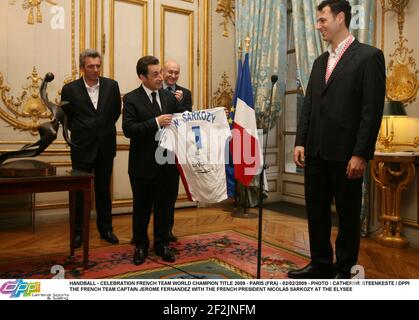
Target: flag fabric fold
(245, 142)
(231, 181)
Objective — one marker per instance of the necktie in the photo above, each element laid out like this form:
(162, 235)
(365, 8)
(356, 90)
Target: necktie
(155, 103)
(169, 89)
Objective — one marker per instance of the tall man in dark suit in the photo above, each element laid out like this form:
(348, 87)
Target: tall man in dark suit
(147, 109)
(171, 72)
(94, 107)
(336, 136)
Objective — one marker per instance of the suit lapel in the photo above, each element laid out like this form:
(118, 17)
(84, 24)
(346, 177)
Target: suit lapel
(148, 104)
(163, 101)
(84, 94)
(323, 66)
(343, 62)
(102, 91)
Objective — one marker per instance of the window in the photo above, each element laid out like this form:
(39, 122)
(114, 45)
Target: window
(294, 99)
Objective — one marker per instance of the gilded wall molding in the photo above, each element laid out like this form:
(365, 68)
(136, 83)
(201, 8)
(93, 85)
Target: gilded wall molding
(82, 25)
(190, 15)
(227, 10)
(34, 7)
(93, 24)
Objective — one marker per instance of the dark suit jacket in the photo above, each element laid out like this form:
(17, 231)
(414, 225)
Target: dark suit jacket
(139, 124)
(186, 103)
(342, 118)
(92, 130)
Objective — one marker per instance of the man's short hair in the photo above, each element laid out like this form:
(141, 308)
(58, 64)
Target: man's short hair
(338, 6)
(91, 53)
(144, 62)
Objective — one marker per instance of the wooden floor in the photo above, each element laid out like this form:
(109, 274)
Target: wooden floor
(287, 231)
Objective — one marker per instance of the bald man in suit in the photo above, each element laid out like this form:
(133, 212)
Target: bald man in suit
(171, 73)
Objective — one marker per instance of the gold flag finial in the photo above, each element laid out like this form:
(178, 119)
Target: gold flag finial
(247, 42)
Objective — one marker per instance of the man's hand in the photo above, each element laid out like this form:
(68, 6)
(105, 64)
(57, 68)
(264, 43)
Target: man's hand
(356, 167)
(226, 112)
(178, 95)
(299, 157)
(164, 120)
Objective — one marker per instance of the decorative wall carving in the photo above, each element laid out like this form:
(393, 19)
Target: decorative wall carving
(223, 97)
(25, 111)
(402, 79)
(227, 10)
(32, 6)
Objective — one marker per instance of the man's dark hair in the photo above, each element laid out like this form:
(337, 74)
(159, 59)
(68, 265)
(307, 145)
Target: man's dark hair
(144, 62)
(88, 53)
(338, 6)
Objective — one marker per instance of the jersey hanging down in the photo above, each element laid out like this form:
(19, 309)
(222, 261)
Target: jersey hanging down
(199, 140)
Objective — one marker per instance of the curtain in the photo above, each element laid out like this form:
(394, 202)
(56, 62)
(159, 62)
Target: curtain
(266, 24)
(308, 41)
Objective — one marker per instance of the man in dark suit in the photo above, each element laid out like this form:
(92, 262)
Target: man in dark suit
(147, 109)
(336, 136)
(171, 72)
(94, 107)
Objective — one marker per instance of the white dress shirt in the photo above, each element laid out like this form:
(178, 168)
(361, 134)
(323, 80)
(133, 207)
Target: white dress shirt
(93, 92)
(334, 56)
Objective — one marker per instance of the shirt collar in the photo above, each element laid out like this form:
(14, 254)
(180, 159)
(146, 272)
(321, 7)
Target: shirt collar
(95, 86)
(339, 48)
(149, 92)
(165, 86)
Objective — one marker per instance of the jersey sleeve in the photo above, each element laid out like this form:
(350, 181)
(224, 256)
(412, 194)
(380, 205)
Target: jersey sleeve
(167, 139)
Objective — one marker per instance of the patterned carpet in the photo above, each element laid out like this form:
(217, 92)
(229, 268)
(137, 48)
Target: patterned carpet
(220, 255)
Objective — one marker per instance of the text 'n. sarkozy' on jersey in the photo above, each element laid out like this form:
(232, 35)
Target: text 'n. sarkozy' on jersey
(195, 116)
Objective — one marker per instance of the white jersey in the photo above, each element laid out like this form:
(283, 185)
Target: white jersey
(199, 140)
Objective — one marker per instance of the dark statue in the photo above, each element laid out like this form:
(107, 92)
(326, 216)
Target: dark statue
(47, 133)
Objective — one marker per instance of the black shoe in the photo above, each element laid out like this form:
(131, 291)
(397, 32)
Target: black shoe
(140, 254)
(109, 236)
(343, 275)
(312, 271)
(165, 253)
(172, 237)
(78, 240)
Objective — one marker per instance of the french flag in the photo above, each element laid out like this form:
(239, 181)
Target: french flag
(245, 142)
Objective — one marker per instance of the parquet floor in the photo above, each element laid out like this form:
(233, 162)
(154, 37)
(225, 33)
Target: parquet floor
(281, 229)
